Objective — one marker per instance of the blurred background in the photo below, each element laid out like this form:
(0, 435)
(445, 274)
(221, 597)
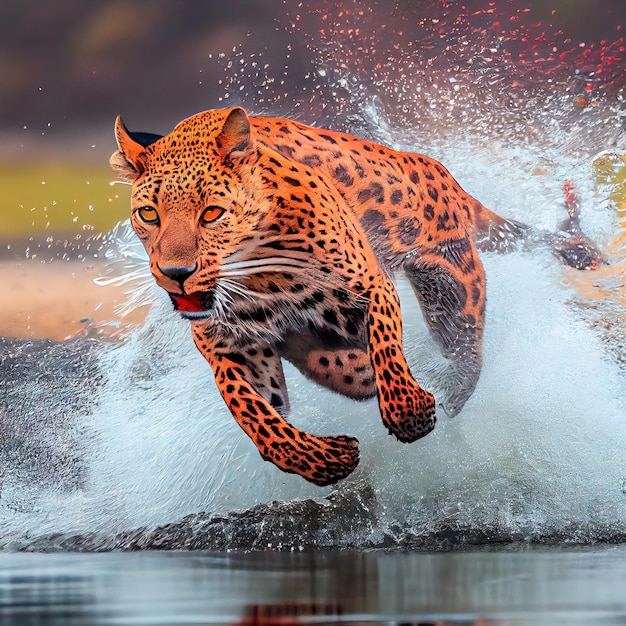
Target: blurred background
(67, 68)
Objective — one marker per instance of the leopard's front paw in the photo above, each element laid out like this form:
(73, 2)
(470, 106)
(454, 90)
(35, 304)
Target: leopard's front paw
(320, 460)
(408, 412)
(337, 458)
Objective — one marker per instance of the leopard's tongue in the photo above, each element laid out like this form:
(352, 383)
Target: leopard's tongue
(192, 302)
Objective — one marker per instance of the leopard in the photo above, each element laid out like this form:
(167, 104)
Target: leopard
(279, 241)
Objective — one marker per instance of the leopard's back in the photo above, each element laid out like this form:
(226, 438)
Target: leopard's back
(404, 199)
(418, 220)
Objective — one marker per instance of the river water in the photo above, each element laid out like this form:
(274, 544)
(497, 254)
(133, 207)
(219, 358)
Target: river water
(547, 588)
(114, 444)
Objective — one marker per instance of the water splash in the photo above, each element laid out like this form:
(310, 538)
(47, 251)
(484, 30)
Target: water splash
(536, 453)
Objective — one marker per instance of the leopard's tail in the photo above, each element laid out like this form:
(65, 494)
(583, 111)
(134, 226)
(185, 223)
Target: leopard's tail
(493, 233)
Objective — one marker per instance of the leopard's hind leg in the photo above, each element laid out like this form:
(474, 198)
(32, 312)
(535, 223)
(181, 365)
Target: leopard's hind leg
(449, 282)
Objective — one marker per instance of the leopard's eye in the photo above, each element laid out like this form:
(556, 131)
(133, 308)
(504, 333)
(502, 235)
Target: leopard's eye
(148, 215)
(211, 214)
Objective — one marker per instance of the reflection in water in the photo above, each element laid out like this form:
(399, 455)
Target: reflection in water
(290, 613)
(503, 589)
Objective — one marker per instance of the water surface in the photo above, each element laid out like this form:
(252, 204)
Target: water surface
(551, 588)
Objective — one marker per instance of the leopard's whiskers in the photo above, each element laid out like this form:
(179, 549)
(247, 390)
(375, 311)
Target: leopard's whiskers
(264, 265)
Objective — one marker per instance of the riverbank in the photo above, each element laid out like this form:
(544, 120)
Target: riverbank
(56, 300)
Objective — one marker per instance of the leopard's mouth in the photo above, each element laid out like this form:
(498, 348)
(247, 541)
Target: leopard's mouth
(193, 306)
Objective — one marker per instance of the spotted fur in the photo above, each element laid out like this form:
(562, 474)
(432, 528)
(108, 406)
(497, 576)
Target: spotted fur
(277, 241)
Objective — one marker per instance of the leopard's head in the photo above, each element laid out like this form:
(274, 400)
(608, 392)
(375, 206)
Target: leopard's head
(197, 203)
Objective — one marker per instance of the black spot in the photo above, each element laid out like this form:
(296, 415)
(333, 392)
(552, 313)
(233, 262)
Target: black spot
(286, 150)
(374, 222)
(328, 138)
(308, 303)
(358, 168)
(414, 177)
(341, 294)
(444, 222)
(408, 230)
(351, 328)
(291, 181)
(276, 401)
(396, 196)
(236, 357)
(378, 193)
(258, 315)
(433, 193)
(331, 316)
(324, 361)
(343, 176)
(476, 294)
(429, 212)
(312, 160)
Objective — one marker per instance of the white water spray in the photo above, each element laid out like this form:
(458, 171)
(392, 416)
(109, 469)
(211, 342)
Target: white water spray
(538, 449)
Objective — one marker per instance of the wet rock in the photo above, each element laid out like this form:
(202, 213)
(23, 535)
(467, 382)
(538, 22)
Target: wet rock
(346, 519)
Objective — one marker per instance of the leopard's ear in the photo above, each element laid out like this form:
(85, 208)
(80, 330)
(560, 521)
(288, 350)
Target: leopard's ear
(234, 140)
(127, 162)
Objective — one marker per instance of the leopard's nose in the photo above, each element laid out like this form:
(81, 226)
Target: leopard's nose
(178, 273)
